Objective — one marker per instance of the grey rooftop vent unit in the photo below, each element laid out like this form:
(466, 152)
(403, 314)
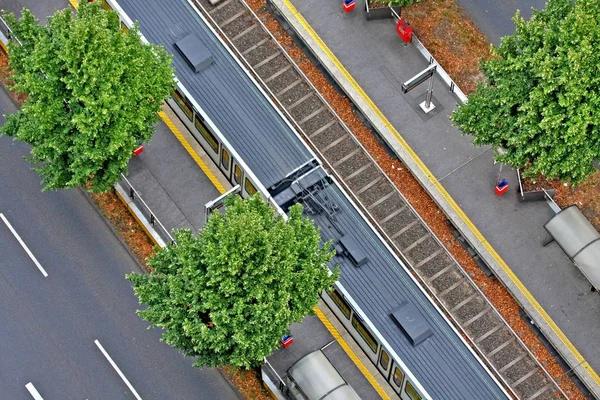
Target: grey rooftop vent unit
(353, 250)
(412, 323)
(194, 52)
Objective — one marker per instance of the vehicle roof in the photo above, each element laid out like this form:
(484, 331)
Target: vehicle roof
(224, 91)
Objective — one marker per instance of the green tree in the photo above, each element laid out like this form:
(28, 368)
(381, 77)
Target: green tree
(228, 295)
(541, 101)
(93, 92)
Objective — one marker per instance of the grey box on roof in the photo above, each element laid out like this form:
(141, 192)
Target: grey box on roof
(194, 52)
(412, 323)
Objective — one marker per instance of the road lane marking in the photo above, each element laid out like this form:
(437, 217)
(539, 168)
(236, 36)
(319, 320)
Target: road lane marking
(32, 390)
(110, 360)
(29, 253)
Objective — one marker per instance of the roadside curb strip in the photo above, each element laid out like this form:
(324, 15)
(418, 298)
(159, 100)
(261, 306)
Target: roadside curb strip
(519, 292)
(139, 216)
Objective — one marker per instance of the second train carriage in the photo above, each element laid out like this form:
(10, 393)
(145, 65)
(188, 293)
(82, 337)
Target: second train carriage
(255, 147)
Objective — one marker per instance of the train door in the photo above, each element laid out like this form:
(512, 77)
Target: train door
(396, 377)
(237, 174)
(225, 163)
(401, 385)
(384, 363)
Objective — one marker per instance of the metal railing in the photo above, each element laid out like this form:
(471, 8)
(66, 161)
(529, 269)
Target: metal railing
(280, 383)
(6, 33)
(147, 213)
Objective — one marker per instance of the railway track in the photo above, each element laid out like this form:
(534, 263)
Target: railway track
(345, 157)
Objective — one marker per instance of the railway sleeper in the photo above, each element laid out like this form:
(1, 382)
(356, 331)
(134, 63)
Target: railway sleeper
(322, 129)
(400, 223)
(468, 311)
(261, 54)
(349, 165)
(411, 233)
(369, 177)
(331, 133)
(520, 369)
(445, 281)
(292, 98)
(306, 107)
(227, 12)
(239, 25)
(544, 393)
(376, 192)
(424, 249)
(390, 201)
(531, 384)
(220, 6)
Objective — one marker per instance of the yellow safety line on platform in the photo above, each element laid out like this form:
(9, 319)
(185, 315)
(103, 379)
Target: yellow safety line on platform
(74, 3)
(336, 335)
(443, 192)
(191, 151)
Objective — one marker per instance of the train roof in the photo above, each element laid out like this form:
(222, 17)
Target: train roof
(441, 362)
(223, 90)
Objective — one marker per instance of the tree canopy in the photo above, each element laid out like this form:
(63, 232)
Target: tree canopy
(93, 92)
(228, 295)
(541, 101)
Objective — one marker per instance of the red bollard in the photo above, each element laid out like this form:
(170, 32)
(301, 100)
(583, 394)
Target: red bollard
(404, 30)
(501, 187)
(138, 150)
(349, 5)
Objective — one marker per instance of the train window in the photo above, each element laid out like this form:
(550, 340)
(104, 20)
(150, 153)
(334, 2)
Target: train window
(225, 159)
(106, 6)
(384, 360)
(411, 392)
(362, 330)
(212, 141)
(237, 174)
(398, 376)
(341, 303)
(183, 103)
(250, 189)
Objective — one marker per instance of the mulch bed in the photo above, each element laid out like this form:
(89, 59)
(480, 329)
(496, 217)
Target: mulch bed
(437, 23)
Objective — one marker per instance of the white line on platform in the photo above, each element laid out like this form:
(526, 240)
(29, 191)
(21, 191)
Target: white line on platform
(35, 261)
(32, 390)
(110, 360)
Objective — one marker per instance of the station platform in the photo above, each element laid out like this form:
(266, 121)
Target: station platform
(310, 335)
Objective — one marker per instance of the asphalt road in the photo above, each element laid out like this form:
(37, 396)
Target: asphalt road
(48, 325)
(41, 8)
(494, 17)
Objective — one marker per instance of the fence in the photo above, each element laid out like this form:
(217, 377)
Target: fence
(145, 211)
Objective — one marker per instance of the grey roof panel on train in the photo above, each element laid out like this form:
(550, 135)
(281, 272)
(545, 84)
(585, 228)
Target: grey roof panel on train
(223, 90)
(442, 363)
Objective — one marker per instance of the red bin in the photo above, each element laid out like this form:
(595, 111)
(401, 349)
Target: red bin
(404, 30)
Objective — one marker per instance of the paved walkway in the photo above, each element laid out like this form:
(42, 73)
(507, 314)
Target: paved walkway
(169, 180)
(376, 59)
